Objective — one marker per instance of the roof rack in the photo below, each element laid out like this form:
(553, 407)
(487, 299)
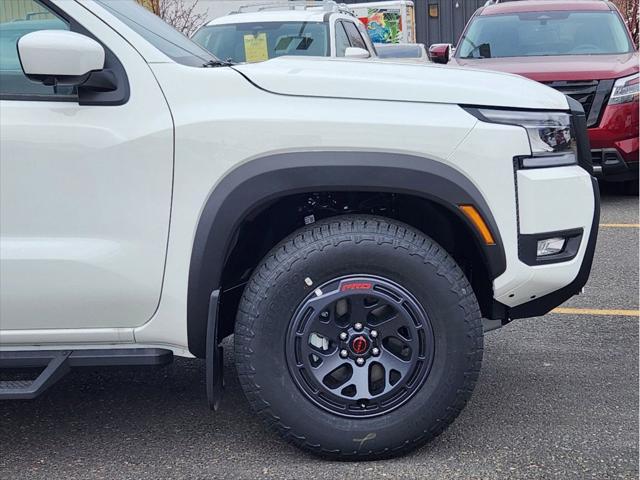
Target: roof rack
(323, 5)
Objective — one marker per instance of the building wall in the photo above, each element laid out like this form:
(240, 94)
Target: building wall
(440, 21)
(18, 10)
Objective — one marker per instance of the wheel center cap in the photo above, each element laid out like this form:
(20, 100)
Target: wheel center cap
(359, 344)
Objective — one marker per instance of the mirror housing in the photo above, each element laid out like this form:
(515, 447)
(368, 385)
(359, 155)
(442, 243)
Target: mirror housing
(440, 52)
(59, 57)
(356, 52)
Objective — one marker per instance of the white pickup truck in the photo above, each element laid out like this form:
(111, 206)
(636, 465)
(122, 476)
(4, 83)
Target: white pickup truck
(351, 222)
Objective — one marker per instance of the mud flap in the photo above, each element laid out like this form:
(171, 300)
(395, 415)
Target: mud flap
(214, 355)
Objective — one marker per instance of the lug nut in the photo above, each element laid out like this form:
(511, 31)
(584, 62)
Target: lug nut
(360, 361)
(343, 336)
(344, 353)
(375, 351)
(357, 326)
(373, 333)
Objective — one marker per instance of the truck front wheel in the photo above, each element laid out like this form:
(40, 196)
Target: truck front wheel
(358, 337)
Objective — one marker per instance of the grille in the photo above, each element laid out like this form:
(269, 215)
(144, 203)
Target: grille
(592, 94)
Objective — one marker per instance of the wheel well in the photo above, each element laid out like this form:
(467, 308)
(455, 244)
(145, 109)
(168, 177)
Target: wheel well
(265, 227)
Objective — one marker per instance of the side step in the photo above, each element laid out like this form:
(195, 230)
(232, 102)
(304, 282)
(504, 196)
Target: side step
(57, 364)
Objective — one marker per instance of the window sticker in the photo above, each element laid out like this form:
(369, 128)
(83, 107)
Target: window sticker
(255, 48)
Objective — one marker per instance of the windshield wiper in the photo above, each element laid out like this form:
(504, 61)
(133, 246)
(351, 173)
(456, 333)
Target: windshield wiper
(218, 63)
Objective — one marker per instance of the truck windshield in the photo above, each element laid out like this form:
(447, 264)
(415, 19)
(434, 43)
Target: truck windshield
(255, 42)
(544, 34)
(160, 34)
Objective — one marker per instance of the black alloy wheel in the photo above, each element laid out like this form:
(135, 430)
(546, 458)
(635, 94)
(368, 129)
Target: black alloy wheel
(359, 346)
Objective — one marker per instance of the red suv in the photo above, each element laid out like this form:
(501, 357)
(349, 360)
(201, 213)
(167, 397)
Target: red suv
(581, 48)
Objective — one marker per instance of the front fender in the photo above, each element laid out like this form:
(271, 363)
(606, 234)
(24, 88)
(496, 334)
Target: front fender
(252, 184)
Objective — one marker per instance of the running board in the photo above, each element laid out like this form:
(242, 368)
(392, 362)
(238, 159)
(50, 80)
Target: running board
(57, 364)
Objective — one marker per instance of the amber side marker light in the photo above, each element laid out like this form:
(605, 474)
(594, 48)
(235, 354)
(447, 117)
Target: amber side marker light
(472, 214)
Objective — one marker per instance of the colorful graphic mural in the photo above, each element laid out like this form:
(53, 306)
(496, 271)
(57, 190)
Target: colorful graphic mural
(383, 26)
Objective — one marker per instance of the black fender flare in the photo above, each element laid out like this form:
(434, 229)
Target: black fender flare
(267, 178)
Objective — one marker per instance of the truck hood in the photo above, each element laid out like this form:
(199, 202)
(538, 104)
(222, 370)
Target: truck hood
(376, 80)
(565, 67)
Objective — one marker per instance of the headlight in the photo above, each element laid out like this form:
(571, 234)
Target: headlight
(625, 90)
(550, 134)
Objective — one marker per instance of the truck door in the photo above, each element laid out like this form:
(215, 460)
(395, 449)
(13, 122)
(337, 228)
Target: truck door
(85, 190)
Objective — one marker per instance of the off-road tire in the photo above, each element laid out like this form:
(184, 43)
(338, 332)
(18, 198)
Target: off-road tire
(341, 246)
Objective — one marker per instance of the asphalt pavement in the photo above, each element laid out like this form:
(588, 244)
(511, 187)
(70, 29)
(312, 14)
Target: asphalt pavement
(557, 398)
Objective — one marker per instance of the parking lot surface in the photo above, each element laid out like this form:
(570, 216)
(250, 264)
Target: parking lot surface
(557, 398)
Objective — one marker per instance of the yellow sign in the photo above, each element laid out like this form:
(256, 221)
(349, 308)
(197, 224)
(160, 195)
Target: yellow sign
(411, 25)
(255, 48)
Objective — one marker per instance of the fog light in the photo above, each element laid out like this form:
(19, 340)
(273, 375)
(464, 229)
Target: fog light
(550, 246)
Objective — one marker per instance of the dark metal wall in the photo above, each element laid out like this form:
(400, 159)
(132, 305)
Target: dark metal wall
(446, 27)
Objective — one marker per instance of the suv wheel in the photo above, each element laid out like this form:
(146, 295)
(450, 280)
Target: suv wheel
(358, 337)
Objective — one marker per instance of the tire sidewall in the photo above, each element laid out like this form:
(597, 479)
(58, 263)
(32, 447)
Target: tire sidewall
(425, 278)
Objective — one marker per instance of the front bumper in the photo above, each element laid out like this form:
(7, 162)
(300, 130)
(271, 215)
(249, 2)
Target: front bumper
(615, 143)
(533, 203)
(555, 200)
(541, 306)
(609, 165)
